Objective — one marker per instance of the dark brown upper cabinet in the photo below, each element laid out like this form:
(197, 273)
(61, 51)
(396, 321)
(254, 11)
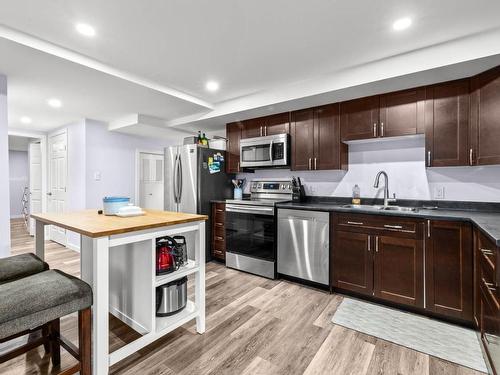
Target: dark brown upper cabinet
(302, 138)
(316, 141)
(277, 124)
(359, 118)
(252, 128)
(447, 124)
(402, 113)
(485, 118)
(233, 135)
(449, 269)
(267, 125)
(388, 115)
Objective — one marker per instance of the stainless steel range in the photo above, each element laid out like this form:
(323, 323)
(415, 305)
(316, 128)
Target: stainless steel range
(251, 227)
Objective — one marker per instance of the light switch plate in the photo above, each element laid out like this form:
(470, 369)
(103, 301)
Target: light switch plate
(439, 192)
(97, 176)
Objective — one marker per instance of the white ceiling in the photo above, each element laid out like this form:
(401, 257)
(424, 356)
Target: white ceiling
(250, 47)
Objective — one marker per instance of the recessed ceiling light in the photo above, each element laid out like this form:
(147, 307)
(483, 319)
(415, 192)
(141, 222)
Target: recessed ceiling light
(26, 120)
(85, 29)
(54, 103)
(212, 86)
(401, 24)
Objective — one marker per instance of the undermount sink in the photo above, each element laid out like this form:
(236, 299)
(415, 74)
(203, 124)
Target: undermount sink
(377, 208)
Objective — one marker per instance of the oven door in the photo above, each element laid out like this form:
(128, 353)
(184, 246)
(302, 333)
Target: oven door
(250, 231)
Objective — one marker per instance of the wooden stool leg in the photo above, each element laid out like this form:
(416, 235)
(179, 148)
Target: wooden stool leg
(85, 341)
(55, 347)
(46, 333)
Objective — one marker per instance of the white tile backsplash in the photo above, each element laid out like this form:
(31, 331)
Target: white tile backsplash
(404, 161)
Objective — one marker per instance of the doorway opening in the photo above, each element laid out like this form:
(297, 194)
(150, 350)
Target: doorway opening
(149, 192)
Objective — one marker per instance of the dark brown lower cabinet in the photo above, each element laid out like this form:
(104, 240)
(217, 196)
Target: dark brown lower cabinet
(449, 269)
(380, 257)
(218, 231)
(399, 270)
(353, 262)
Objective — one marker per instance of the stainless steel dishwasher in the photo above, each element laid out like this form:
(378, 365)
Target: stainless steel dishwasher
(304, 245)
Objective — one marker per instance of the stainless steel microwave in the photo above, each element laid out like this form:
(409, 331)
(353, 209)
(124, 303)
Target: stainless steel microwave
(270, 151)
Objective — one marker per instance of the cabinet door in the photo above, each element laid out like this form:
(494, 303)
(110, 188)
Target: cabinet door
(490, 326)
(399, 270)
(277, 124)
(485, 117)
(449, 273)
(233, 134)
(359, 118)
(402, 113)
(329, 151)
(302, 134)
(253, 128)
(447, 124)
(353, 262)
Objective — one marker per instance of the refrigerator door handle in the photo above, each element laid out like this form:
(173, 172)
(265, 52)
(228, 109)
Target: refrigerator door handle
(175, 179)
(179, 181)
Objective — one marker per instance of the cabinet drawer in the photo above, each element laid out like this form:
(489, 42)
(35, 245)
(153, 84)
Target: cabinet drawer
(219, 225)
(487, 252)
(219, 234)
(218, 253)
(380, 224)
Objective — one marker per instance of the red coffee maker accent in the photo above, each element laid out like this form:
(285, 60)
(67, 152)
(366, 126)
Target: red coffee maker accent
(166, 261)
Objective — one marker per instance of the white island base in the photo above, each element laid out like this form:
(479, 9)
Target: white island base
(121, 269)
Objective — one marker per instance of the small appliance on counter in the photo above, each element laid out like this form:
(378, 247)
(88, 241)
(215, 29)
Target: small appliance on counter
(111, 205)
(298, 191)
(169, 255)
(171, 297)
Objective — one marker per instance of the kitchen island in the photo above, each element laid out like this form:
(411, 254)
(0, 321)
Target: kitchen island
(117, 258)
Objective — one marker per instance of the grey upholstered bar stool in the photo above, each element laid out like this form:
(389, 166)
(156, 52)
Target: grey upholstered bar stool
(18, 266)
(35, 303)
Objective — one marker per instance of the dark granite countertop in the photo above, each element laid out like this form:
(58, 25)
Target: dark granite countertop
(486, 220)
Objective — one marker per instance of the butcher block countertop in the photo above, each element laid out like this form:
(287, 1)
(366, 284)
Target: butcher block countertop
(91, 224)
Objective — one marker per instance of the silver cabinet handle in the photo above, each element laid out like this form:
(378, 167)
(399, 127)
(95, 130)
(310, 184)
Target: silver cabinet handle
(355, 223)
(470, 156)
(238, 166)
(393, 226)
(261, 130)
(428, 158)
(369, 243)
(374, 129)
(315, 163)
(486, 251)
(265, 130)
(428, 229)
(310, 163)
(381, 129)
(490, 286)
(376, 244)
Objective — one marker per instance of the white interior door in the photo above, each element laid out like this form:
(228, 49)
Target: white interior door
(58, 171)
(151, 194)
(35, 198)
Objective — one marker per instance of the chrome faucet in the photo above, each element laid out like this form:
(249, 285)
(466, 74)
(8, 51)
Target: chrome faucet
(386, 188)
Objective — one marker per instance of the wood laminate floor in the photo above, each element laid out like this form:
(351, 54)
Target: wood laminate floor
(254, 326)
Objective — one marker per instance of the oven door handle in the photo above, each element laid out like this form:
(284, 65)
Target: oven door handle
(250, 209)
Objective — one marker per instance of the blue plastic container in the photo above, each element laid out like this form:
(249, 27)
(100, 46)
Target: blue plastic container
(111, 205)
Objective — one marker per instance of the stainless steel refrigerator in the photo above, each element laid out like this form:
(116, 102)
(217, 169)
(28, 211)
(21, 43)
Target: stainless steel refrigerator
(190, 186)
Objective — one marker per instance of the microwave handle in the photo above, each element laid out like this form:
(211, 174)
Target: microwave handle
(271, 150)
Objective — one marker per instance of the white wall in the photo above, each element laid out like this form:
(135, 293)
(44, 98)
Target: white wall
(112, 155)
(404, 162)
(4, 172)
(18, 180)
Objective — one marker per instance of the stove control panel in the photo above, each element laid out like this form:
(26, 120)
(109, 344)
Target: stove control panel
(283, 187)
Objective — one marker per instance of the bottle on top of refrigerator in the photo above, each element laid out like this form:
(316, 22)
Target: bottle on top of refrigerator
(204, 140)
(356, 194)
(199, 141)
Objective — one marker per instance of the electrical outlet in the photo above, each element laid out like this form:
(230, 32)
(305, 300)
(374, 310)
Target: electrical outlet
(439, 192)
